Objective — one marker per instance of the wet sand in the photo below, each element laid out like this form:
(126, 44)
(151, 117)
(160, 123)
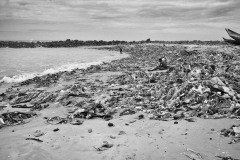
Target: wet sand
(131, 137)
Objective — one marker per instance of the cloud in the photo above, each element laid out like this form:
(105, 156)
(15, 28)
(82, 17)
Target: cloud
(132, 16)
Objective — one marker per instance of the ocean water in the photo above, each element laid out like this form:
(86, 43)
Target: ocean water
(20, 64)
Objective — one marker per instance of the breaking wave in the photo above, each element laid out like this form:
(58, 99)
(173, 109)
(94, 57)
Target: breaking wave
(68, 67)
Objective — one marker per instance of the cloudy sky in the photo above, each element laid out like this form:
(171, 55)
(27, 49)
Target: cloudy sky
(118, 19)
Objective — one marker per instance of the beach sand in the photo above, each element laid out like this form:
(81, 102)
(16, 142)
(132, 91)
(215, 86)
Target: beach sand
(131, 137)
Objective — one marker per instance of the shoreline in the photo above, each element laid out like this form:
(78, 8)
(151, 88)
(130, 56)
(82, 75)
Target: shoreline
(152, 114)
(58, 69)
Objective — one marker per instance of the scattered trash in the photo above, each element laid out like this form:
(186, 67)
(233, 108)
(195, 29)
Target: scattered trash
(35, 139)
(194, 155)
(2, 107)
(127, 112)
(121, 133)
(93, 111)
(90, 130)
(38, 107)
(113, 137)
(56, 120)
(21, 106)
(141, 116)
(2, 121)
(232, 132)
(236, 130)
(190, 119)
(110, 124)
(200, 83)
(132, 121)
(38, 133)
(234, 140)
(76, 121)
(16, 118)
(161, 131)
(56, 129)
(227, 158)
(106, 145)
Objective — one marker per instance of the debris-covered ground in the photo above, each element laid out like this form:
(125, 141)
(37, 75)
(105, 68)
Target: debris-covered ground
(120, 110)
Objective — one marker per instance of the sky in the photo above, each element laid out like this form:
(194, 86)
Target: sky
(118, 19)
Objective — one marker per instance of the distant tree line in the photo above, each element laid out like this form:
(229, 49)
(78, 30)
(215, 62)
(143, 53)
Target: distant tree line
(77, 43)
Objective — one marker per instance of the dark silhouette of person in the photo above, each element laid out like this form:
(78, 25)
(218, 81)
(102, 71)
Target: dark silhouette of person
(120, 50)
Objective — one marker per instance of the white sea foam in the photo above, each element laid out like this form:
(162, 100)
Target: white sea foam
(67, 67)
(17, 65)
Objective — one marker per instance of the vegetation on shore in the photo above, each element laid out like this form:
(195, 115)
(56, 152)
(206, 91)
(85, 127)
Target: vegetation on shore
(78, 43)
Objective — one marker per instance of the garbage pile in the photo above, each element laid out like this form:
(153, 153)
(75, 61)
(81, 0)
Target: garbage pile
(43, 81)
(15, 118)
(19, 98)
(78, 114)
(209, 90)
(233, 132)
(92, 111)
(200, 82)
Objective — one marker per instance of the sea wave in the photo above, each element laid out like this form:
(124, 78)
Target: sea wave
(67, 67)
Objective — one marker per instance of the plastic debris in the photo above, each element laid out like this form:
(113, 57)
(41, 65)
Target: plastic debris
(15, 118)
(90, 130)
(76, 121)
(200, 83)
(226, 158)
(2, 121)
(56, 129)
(112, 137)
(38, 133)
(141, 116)
(106, 145)
(127, 112)
(194, 155)
(110, 124)
(233, 132)
(56, 120)
(94, 111)
(21, 106)
(121, 133)
(236, 130)
(35, 139)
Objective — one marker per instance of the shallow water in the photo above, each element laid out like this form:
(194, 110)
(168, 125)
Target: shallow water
(20, 64)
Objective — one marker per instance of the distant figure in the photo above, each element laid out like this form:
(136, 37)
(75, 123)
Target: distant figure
(120, 50)
(162, 65)
(187, 69)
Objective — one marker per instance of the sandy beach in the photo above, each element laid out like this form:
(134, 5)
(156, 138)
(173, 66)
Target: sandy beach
(122, 111)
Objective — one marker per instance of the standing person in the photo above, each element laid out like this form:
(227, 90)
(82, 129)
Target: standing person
(186, 70)
(120, 50)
